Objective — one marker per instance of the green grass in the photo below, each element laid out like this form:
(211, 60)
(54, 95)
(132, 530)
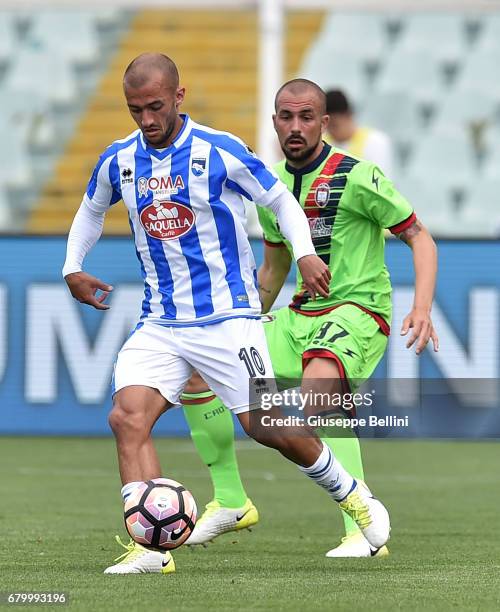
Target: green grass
(60, 508)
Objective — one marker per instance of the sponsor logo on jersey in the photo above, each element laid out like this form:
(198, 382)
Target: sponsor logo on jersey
(167, 220)
(160, 186)
(198, 165)
(127, 176)
(319, 227)
(322, 194)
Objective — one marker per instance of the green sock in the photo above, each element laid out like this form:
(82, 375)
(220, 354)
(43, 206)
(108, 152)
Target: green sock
(212, 431)
(347, 450)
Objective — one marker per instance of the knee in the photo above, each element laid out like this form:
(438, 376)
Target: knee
(123, 420)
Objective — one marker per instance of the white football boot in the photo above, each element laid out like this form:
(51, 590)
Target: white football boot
(356, 545)
(217, 520)
(139, 560)
(368, 513)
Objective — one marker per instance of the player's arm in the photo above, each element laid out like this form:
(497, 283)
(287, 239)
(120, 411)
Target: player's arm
(257, 182)
(375, 197)
(85, 231)
(272, 273)
(294, 226)
(417, 237)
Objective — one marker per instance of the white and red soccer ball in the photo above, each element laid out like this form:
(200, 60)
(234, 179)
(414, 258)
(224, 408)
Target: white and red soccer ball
(160, 514)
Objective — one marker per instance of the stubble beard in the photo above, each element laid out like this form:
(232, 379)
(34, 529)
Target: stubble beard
(298, 156)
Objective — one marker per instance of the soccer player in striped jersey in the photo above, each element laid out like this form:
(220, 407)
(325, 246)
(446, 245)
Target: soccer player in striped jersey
(339, 338)
(183, 186)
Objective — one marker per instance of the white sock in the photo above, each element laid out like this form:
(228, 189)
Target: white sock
(329, 474)
(129, 488)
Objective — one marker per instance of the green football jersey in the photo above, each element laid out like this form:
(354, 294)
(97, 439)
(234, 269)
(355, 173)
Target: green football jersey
(348, 203)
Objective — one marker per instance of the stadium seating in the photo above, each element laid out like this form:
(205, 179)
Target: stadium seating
(7, 37)
(433, 92)
(439, 102)
(219, 73)
(51, 28)
(442, 36)
(480, 215)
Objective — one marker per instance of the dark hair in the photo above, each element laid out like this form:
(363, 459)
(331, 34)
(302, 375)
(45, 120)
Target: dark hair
(337, 102)
(299, 85)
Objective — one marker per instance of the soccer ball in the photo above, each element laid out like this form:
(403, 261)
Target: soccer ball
(160, 514)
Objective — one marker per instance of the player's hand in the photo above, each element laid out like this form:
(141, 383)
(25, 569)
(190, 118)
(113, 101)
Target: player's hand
(84, 287)
(315, 275)
(419, 321)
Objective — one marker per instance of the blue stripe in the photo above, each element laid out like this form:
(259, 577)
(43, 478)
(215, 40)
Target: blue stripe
(254, 165)
(322, 471)
(143, 167)
(202, 323)
(201, 284)
(226, 230)
(238, 188)
(353, 486)
(146, 302)
(114, 179)
(111, 150)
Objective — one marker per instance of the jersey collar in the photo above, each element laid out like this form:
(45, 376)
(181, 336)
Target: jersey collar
(313, 165)
(178, 141)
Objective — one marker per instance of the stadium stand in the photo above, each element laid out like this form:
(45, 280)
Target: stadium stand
(219, 73)
(438, 102)
(62, 103)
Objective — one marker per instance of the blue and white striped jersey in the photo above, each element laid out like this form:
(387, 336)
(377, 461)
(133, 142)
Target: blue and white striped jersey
(187, 215)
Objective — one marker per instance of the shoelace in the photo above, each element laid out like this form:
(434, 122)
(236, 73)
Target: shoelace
(357, 509)
(130, 549)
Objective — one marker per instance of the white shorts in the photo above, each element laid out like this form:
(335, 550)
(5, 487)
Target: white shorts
(227, 355)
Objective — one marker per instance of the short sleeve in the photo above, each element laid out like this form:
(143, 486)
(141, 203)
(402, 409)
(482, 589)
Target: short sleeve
(103, 189)
(270, 229)
(372, 195)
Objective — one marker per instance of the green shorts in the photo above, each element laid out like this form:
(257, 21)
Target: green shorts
(347, 334)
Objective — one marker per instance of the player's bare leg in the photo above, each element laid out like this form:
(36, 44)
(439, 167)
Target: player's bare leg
(135, 411)
(322, 376)
(317, 461)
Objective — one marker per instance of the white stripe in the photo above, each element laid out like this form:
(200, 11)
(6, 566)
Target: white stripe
(207, 230)
(180, 140)
(101, 199)
(182, 295)
(126, 159)
(239, 173)
(235, 204)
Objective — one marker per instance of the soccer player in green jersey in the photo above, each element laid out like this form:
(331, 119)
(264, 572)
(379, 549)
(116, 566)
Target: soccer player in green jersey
(333, 341)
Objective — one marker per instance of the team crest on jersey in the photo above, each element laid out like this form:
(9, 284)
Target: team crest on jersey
(167, 220)
(161, 186)
(198, 165)
(322, 194)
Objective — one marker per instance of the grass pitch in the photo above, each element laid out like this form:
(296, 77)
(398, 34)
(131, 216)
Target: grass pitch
(60, 508)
